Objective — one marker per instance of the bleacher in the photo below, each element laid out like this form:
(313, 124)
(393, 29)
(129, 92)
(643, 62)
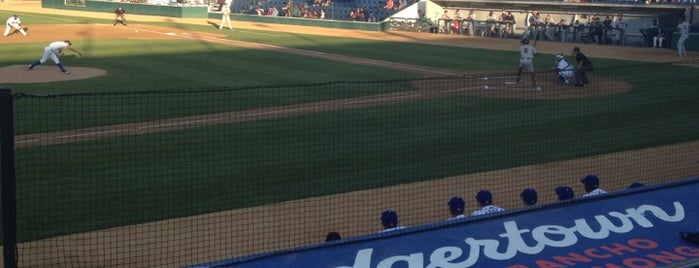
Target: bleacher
(337, 10)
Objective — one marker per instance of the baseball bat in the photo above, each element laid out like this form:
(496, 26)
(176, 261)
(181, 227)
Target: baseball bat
(538, 32)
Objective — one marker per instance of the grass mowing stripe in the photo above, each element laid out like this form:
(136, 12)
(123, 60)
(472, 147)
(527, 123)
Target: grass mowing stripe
(232, 166)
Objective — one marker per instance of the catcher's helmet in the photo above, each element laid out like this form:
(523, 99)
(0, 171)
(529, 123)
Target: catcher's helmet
(525, 41)
(559, 56)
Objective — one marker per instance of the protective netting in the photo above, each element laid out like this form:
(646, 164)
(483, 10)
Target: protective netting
(179, 177)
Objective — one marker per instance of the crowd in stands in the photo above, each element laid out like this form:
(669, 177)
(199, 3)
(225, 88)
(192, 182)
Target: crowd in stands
(485, 205)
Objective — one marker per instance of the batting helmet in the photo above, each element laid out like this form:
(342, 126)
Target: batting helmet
(525, 41)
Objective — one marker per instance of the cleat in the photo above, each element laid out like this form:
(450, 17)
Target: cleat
(66, 72)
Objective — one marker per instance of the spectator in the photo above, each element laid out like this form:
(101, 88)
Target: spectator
(485, 200)
(636, 185)
(389, 219)
(529, 196)
(332, 236)
(456, 208)
(564, 193)
(389, 4)
(584, 66)
(591, 183)
(402, 4)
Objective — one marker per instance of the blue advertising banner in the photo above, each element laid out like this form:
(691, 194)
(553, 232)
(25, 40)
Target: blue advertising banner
(634, 229)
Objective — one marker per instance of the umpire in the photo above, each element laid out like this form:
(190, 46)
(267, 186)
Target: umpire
(584, 66)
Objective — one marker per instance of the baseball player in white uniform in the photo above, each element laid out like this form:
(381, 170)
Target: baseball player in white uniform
(389, 219)
(54, 50)
(485, 200)
(226, 15)
(591, 183)
(526, 60)
(683, 28)
(14, 23)
(564, 70)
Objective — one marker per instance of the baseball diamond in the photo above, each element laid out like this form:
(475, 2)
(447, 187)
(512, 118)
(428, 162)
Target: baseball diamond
(449, 126)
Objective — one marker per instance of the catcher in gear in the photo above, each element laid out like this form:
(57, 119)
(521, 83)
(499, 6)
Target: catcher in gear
(564, 70)
(527, 53)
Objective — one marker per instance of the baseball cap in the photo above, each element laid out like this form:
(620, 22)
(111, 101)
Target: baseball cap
(484, 197)
(529, 196)
(457, 204)
(564, 193)
(591, 180)
(389, 218)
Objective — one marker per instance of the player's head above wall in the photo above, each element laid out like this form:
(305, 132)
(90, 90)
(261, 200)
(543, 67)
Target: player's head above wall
(456, 205)
(529, 196)
(484, 197)
(564, 193)
(591, 182)
(389, 218)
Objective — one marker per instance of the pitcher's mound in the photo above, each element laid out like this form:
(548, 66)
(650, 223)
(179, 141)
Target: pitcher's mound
(46, 73)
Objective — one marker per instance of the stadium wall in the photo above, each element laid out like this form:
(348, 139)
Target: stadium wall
(638, 227)
(142, 9)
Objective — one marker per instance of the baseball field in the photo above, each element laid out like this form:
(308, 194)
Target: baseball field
(172, 142)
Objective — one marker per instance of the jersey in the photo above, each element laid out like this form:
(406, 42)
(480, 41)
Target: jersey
(57, 46)
(683, 28)
(487, 210)
(527, 52)
(564, 68)
(594, 192)
(13, 21)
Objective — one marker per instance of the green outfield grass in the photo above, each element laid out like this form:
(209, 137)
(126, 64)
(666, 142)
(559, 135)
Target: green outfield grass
(92, 185)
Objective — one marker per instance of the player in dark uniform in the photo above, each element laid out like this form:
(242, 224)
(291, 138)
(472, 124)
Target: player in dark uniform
(119, 16)
(584, 66)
